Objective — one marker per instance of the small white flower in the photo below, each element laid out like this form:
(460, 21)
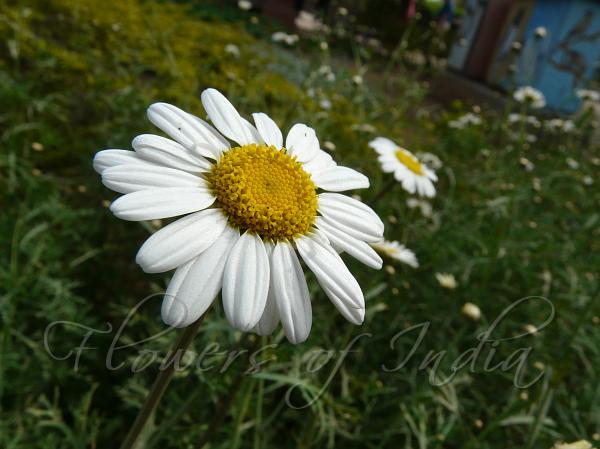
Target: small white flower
(471, 311)
(307, 21)
(328, 145)
(533, 121)
(530, 96)
(568, 126)
(465, 120)
(237, 184)
(588, 95)
(395, 250)
(572, 163)
(280, 36)
(422, 205)
(323, 45)
(446, 280)
(414, 175)
(342, 11)
(581, 444)
(515, 118)
(531, 329)
(233, 50)
(540, 32)
(245, 5)
(327, 72)
(364, 127)
(357, 79)
(529, 166)
(325, 104)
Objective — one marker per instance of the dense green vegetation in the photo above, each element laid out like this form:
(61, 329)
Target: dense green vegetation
(512, 219)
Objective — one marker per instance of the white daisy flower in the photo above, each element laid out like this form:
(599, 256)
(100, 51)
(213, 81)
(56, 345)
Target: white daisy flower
(414, 175)
(252, 206)
(395, 250)
(588, 95)
(531, 96)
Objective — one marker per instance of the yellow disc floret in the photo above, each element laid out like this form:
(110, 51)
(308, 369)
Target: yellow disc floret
(409, 161)
(264, 190)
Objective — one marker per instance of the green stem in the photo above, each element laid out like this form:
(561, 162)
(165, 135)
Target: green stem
(160, 384)
(387, 186)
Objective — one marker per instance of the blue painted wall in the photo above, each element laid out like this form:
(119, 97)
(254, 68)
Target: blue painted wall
(567, 58)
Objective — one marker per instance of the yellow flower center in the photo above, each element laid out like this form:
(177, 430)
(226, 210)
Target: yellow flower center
(409, 161)
(264, 190)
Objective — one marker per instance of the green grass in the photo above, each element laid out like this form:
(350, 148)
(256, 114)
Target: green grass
(76, 77)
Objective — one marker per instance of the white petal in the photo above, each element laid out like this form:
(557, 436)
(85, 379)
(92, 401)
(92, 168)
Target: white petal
(333, 276)
(270, 317)
(291, 293)
(409, 183)
(351, 216)
(152, 204)
(321, 161)
(268, 130)
(173, 312)
(189, 131)
(225, 117)
(383, 145)
(131, 178)
(214, 142)
(246, 282)
(429, 188)
(302, 142)
(169, 153)
(256, 137)
(338, 179)
(111, 158)
(181, 241)
(356, 248)
(430, 174)
(192, 291)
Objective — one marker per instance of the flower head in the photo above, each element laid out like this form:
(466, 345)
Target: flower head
(245, 5)
(395, 250)
(540, 32)
(581, 444)
(307, 21)
(446, 280)
(280, 36)
(465, 120)
(414, 175)
(588, 95)
(250, 208)
(530, 96)
(471, 311)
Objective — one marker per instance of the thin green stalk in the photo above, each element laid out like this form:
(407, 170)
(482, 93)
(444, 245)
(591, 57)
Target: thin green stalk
(386, 187)
(160, 384)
